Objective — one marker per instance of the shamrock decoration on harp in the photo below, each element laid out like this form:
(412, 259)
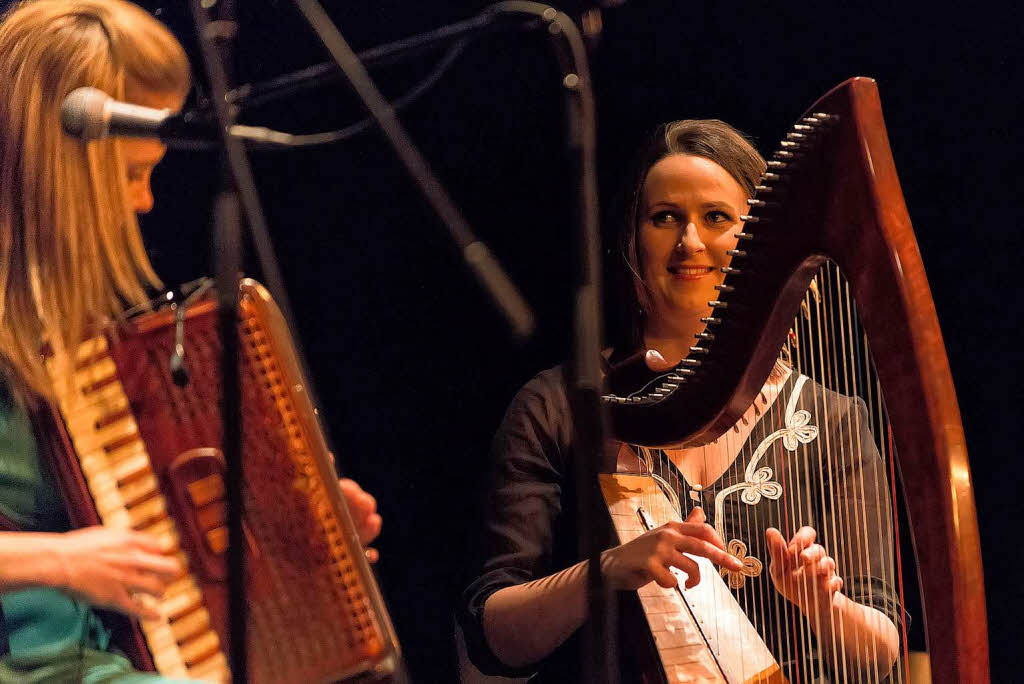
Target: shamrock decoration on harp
(751, 566)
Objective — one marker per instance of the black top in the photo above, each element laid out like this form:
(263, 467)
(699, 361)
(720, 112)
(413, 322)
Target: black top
(809, 460)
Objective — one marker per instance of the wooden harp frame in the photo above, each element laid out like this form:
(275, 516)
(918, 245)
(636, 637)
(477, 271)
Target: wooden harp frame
(832, 192)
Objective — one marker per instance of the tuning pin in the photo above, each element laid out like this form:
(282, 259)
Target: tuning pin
(814, 290)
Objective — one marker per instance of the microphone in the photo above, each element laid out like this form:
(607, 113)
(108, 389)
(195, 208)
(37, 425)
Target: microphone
(91, 114)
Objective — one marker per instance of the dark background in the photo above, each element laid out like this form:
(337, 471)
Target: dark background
(413, 366)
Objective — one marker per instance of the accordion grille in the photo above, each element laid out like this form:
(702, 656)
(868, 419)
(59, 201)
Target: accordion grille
(315, 614)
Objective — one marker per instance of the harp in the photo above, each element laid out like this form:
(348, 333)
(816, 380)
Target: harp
(142, 452)
(827, 272)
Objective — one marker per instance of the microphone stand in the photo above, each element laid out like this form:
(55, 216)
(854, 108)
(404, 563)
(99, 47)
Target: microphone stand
(215, 39)
(585, 369)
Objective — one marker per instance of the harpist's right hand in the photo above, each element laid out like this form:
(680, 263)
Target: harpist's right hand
(115, 568)
(649, 557)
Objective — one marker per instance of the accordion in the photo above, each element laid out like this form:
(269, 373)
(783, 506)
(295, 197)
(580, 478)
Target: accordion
(147, 450)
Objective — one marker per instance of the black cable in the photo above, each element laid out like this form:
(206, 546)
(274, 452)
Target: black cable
(254, 94)
(486, 268)
(290, 140)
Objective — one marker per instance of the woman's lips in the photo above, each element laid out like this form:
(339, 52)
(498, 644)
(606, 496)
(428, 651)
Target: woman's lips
(690, 272)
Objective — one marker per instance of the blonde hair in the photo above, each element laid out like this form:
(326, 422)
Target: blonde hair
(71, 255)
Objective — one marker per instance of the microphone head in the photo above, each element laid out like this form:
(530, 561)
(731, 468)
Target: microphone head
(84, 114)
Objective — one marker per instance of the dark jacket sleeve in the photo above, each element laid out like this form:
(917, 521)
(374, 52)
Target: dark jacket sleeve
(522, 504)
(861, 522)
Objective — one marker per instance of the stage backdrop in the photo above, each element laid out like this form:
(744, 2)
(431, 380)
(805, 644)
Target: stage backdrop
(413, 366)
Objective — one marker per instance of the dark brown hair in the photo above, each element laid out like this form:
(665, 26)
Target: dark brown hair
(708, 138)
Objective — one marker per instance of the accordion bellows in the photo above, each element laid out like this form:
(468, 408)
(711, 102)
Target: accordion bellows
(150, 454)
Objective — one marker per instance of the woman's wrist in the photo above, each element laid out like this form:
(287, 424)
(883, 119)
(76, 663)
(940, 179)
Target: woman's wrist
(33, 559)
(827, 612)
(59, 567)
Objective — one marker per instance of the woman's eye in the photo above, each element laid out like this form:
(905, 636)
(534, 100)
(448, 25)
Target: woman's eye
(719, 217)
(664, 218)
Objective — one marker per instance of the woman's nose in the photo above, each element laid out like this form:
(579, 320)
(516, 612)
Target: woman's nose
(690, 241)
(142, 198)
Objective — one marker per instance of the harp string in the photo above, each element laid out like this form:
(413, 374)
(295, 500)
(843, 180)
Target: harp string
(783, 651)
(851, 389)
(789, 486)
(847, 545)
(825, 484)
(824, 461)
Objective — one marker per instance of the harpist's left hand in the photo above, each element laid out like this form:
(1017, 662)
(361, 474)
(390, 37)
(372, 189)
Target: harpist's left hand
(802, 570)
(363, 508)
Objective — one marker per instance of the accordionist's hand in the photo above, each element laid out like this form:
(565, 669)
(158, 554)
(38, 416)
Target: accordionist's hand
(802, 570)
(652, 555)
(363, 508)
(119, 569)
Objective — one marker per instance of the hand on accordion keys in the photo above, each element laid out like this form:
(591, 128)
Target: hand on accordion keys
(124, 570)
(117, 569)
(363, 508)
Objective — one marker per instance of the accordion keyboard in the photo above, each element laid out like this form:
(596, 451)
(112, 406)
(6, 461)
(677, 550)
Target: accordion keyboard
(124, 488)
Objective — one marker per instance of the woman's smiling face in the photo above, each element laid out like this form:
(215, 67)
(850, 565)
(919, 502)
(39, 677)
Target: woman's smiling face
(690, 210)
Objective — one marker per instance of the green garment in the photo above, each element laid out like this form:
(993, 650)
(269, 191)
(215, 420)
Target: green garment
(74, 665)
(39, 620)
(53, 637)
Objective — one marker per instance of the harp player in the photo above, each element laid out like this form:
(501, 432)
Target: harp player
(71, 254)
(523, 609)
